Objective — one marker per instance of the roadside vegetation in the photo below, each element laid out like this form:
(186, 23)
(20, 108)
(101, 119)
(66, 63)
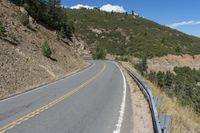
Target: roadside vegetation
(99, 52)
(46, 50)
(184, 118)
(130, 35)
(24, 19)
(183, 83)
(142, 66)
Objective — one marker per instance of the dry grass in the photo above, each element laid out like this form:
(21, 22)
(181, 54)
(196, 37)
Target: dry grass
(184, 120)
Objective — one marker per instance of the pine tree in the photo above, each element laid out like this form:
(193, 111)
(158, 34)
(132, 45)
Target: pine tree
(160, 79)
(133, 13)
(142, 66)
(168, 79)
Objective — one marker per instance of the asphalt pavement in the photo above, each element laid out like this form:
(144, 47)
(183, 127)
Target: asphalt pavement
(94, 100)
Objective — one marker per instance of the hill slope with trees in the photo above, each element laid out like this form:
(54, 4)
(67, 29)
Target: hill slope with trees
(127, 34)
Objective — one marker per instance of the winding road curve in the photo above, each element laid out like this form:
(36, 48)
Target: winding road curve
(94, 100)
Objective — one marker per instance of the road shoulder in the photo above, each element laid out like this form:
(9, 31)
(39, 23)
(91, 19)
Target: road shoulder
(142, 121)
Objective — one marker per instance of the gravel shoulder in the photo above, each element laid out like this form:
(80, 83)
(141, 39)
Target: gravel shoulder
(142, 121)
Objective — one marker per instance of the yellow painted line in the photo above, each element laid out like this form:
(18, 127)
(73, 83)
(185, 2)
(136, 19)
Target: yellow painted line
(49, 105)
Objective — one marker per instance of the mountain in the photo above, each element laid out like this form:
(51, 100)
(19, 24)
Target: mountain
(127, 34)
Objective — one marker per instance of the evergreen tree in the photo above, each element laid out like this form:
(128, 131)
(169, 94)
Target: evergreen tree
(133, 13)
(99, 52)
(160, 79)
(142, 66)
(50, 14)
(168, 79)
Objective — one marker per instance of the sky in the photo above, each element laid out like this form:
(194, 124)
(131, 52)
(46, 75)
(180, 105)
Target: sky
(183, 15)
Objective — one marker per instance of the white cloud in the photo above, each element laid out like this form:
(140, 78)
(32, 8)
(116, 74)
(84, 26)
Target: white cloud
(136, 14)
(114, 8)
(175, 25)
(107, 8)
(79, 6)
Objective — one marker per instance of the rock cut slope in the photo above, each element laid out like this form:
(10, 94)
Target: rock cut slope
(22, 64)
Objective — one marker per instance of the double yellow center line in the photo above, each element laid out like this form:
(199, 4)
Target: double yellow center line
(49, 105)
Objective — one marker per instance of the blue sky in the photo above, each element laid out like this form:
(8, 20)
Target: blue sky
(183, 15)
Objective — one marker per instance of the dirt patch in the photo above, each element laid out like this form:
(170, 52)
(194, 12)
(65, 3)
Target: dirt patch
(142, 120)
(167, 63)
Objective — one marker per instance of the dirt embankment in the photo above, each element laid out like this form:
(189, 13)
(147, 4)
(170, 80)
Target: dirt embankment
(167, 63)
(22, 64)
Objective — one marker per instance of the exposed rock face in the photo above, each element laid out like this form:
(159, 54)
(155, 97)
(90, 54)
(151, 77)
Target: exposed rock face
(80, 47)
(167, 63)
(97, 31)
(22, 64)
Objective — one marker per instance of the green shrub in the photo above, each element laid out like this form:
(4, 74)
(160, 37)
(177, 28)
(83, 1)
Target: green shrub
(24, 19)
(2, 29)
(46, 50)
(99, 52)
(61, 34)
(142, 66)
(183, 85)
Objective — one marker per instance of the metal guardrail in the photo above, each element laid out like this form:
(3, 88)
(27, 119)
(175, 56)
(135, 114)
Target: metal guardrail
(147, 92)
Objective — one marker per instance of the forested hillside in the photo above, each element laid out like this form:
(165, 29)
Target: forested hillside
(50, 14)
(127, 34)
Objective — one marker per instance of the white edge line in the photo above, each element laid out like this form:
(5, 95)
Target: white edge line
(54, 82)
(123, 104)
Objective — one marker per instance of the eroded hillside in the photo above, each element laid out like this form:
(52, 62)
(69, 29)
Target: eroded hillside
(167, 63)
(22, 63)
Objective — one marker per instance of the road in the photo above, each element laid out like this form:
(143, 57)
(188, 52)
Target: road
(94, 100)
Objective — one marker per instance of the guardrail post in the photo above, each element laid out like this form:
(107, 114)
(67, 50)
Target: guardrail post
(165, 123)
